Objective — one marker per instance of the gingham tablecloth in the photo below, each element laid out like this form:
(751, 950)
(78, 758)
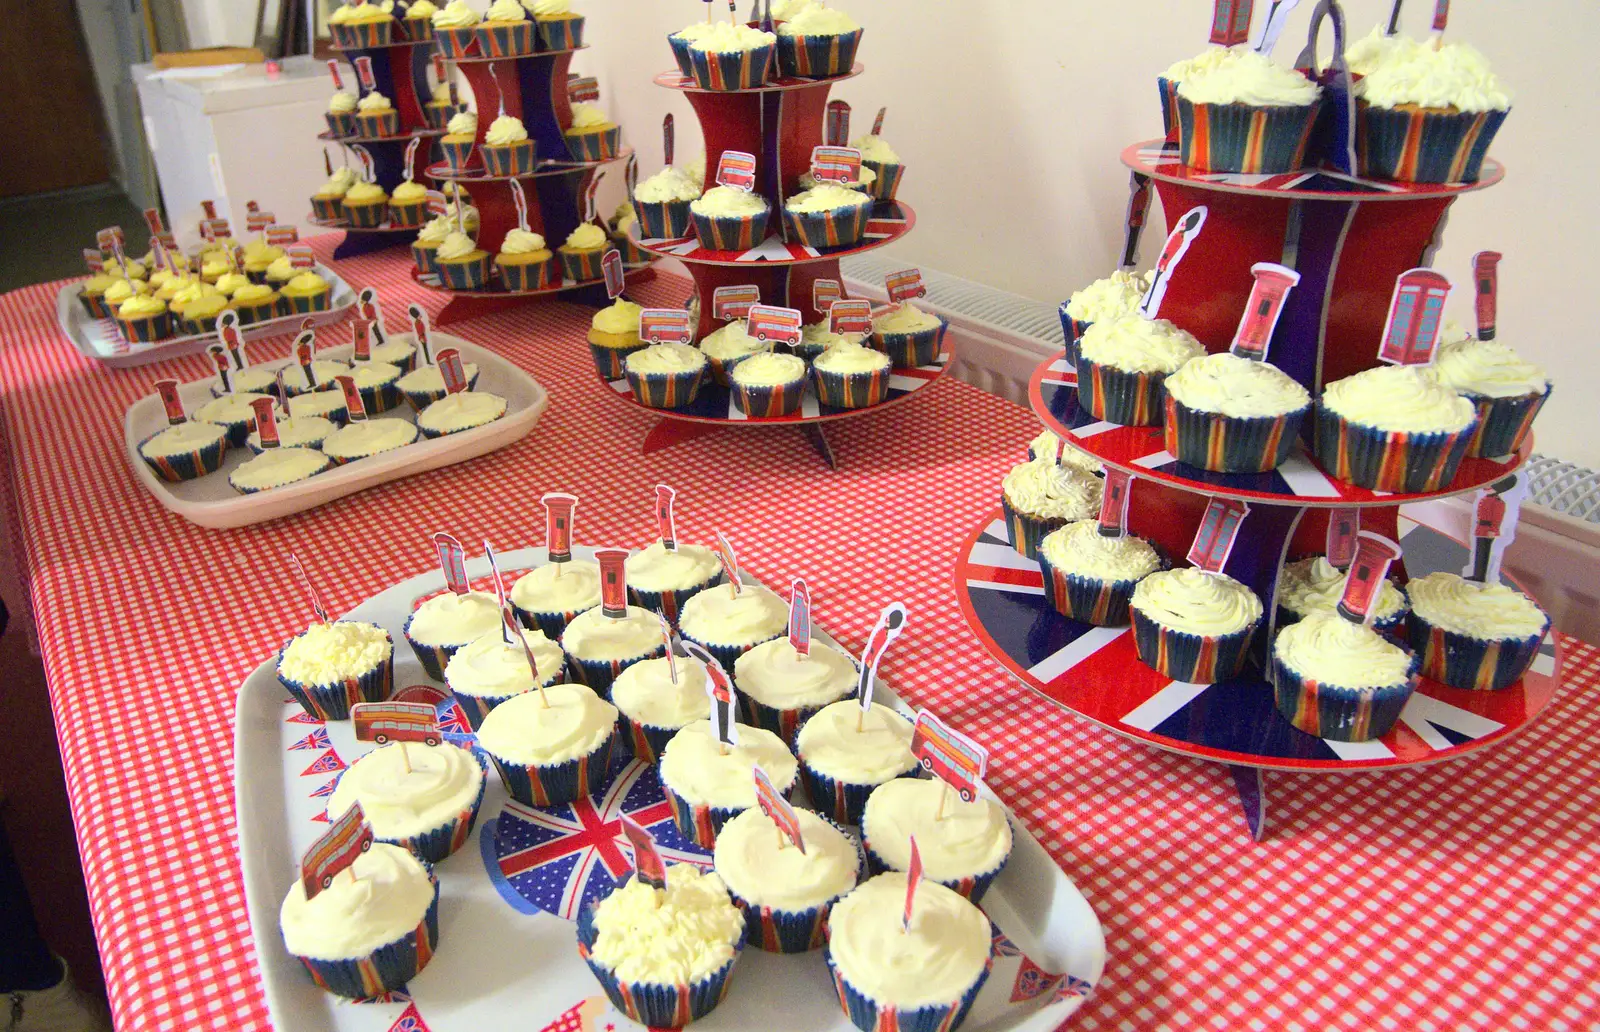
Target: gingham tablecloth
(1461, 896)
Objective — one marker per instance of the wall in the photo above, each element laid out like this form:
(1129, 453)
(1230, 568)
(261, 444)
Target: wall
(1011, 114)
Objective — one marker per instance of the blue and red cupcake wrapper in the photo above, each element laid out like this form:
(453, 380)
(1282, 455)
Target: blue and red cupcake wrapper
(829, 230)
(514, 159)
(727, 655)
(851, 390)
(1026, 529)
(582, 266)
(699, 823)
(1195, 658)
(434, 658)
(408, 214)
(425, 258)
(670, 603)
(557, 783)
(378, 123)
(666, 390)
(1341, 714)
(328, 209)
(737, 70)
(1088, 600)
(646, 741)
(872, 1015)
(774, 930)
(890, 174)
(438, 115)
(768, 401)
(1423, 146)
(239, 431)
(364, 216)
(783, 722)
(457, 42)
(305, 304)
(521, 277)
(601, 674)
(255, 313)
(1230, 444)
(420, 400)
(195, 327)
(843, 802)
(680, 54)
(560, 33)
(473, 275)
(663, 220)
(478, 707)
(1168, 88)
(600, 146)
(175, 469)
(457, 153)
(1243, 137)
(146, 329)
(972, 886)
(1119, 396)
(818, 57)
(722, 368)
(332, 701)
(417, 30)
(1474, 664)
(507, 39)
(1072, 331)
(381, 398)
(1503, 423)
(438, 843)
(730, 232)
(611, 363)
(551, 622)
(385, 969)
(1382, 460)
(909, 350)
(364, 35)
(341, 123)
(95, 305)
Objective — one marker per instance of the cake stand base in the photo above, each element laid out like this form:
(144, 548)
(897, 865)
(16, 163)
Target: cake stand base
(357, 243)
(1252, 785)
(462, 307)
(670, 432)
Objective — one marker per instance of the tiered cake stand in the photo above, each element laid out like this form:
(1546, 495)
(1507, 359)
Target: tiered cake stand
(1349, 239)
(779, 123)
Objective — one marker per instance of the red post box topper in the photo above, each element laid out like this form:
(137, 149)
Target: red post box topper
(837, 132)
(419, 331)
(890, 623)
(824, 292)
(777, 809)
(361, 339)
(1172, 252)
(558, 514)
(613, 582)
(835, 164)
(210, 208)
(1441, 15)
(583, 88)
(1262, 311)
(737, 170)
(171, 402)
(665, 324)
(800, 617)
(452, 562)
(611, 269)
(1416, 315)
(352, 398)
(665, 524)
(1134, 221)
(336, 851)
(913, 881)
(338, 80)
(1365, 579)
(223, 366)
(1340, 546)
(720, 690)
(1486, 280)
(280, 235)
(266, 421)
(669, 138)
(450, 368)
(369, 81)
(648, 866)
(949, 755)
(1114, 503)
(905, 285)
(851, 315)
(385, 722)
(1230, 22)
(734, 302)
(729, 561)
(769, 322)
(1219, 529)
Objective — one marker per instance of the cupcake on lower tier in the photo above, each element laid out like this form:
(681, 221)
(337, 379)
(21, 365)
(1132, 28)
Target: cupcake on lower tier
(779, 689)
(881, 159)
(727, 346)
(613, 336)
(923, 976)
(447, 623)
(371, 930)
(185, 451)
(1246, 114)
(1233, 415)
(908, 335)
(1507, 391)
(200, 315)
(600, 647)
(665, 376)
(662, 204)
(827, 216)
(846, 753)
(785, 893)
(731, 57)
(817, 337)
(489, 670)
(726, 219)
(549, 596)
(551, 746)
(664, 957)
(662, 580)
(706, 787)
(94, 292)
(421, 798)
(1113, 297)
(1473, 635)
(581, 255)
(1314, 585)
(818, 43)
(851, 376)
(255, 302)
(365, 206)
(366, 438)
(424, 385)
(308, 292)
(277, 467)
(964, 846)
(234, 413)
(1393, 428)
(332, 666)
(729, 624)
(592, 136)
(1123, 365)
(653, 707)
(459, 412)
(525, 263)
(1042, 495)
(769, 384)
(1194, 626)
(461, 263)
(1089, 577)
(376, 117)
(1427, 111)
(1339, 680)
(309, 405)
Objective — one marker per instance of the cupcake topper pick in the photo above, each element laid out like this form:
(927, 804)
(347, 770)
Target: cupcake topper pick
(171, 402)
(152, 219)
(890, 623)
(613, 582)
(800, 617)
(669, 137)
(333, 70)
(1177, 245)
(1230, 22)
(520, 199)
(877, 123)
(835, 164)
(411, 156)
(838, 124)
(1416, 315)
(722, 694)
(913, 879)
(228, 333)
(584, 89)
(1261, 312)
(1441, 18)
(361, 340)
(258, 220)
(824, 292)
(730, 564)
(94, 259)
(1138, 213)
(737, 170)
(451, 370)
(1394, 19)
(1486, 280)
(352, 399)
(453, 562)
(659, 324)
(734, 302)
(648, 866)
(368, 308)
(850, 315)
(224, 367)
(589, 193)
(954, 758)
(1364, 583)
(336, 851)
(1340, 545)
(1277, 19)
(210, 208)
(611, 269)
(1219, 529)
(558, 514)
(666, 526)
(300, 257)
(905, 285)
(500, 593)
(671, 653)
(318, 610)
(778, 810)
(1494, 525)
(1114, 503)
(266, 422)
(364, 73)
(327, 163)
(304, 350)
(398, 722)
(280, 235)
(419, 330)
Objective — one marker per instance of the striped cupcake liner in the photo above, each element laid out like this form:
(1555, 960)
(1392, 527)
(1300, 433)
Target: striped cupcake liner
(730, 232)
(768, 401)
(809, 350)
(646, 741)
(457, 153)
(783, 722)
(512, 159)
(699, 823)
(1168, 88)
(889, 173)
(471, 275)
(420, 400)
(417, 30)
(557, 783)
(1475, 664)
(175, 469)
(722, 368)
(654, 1004)
(1119, 396)
(818, 57)
(434, 658)
(610, 362)
(1230, 444)
(342, 123)
(1341, 714)
(680, 54)
(851, 390)
(1072, 331)
(457, 42)
(520, 277)
(382, 397)
(1088, 599)
(239, 431)
(666, 390)
(249, 314)
(328, 209)
(1026, 529)
(145, 329)
(670, 603)
(841, 801)
(438, 115)
(872, 1015)
(305, 304)
(663, 220)
(551, 622)
(196, 327)
(507, 39)
(1422, 146)
(775, 930)
(594, 146)
(727, 655)
(632, 256)
(832, 229)
(385, 969)
(435, 844)
(1392, 626)
(600, 674)
(1194, 658)
(1383, 461)
(478, 707)
(972, 886)
(582, 266)
(1243, 137)
(909, 350)
(1503, 423)
(332, 701)
(364, 35)
(408, 214)
(736, 70)
(425, 258)
(365, 216)
(376, 124)
(95, 305)
(560, 33)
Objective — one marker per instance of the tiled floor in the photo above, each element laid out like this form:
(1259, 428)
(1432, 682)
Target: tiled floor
(42, 236)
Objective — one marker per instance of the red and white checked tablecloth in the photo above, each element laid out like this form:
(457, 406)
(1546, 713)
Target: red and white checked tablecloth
(1461, 896)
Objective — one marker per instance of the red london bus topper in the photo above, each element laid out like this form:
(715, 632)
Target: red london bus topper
(1138, 213)
(300, 257)
(95, 261)
(665, 324)
(280, 235)
(913, 880)
(851, 315)
(361, 340)
(558, 513)
(729, 561)
(835, 164)
(1343, 526)
(611, 269)
(1486, 281)
(905, 285)
(824, 292)
(1441, 15)
(1219, 529)
(1416, 315)
(770, 322)
(777, 809)
(385, 722)
(800, 617)
(453, 562)
(669, 138)
(224, 367)
(437, 202)
(735, 302)
(837, 131)
(419, 330)
(266, 421)
(1230, 22)
(352, 399)
(949, 755)
(648, 866)
(613, 582)
(364, 73)
(1172, 252)
(450, 368)
(338, 848)
(258, 221)
(1114, 503)
(171, 402)
(665, 524)
(737, 170)
(152, 218)
(720, 690)
(583, 88)
(1261, 312)
(1365, 579)
(890, 623)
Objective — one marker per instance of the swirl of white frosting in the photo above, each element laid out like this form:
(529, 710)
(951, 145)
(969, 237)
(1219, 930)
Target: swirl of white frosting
(831, 744)
(969, 839)
(451, 619)
(646, 693)
(695, 767)
(558, 588)
(1452, 76)
(1138, 345)
(409, 794)
(1315, 585)
(1328, 648)
(763, 868)
(368, 438)
(1079, 548)
(1208, 60)
(1246, 77)
(1113, 297)
(1045, 445)
(728, 38)
(726, 202)
(675, 936)
(329, 652)
(555, 725)
(722, 618)
(595, 636)
(1236, 387)
(490, 668)
(848, 357)
(653, 568)
(1195, 602)
(934, 961)
(667, 357)
(731, 341)
(769, 369)
(1399, 398)
(775, 674)
(385, 899)
(670, 184)
(1489, 368)
(1486, 612)
(1042, 488)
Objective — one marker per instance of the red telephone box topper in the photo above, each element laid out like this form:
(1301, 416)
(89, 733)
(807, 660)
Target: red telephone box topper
(451, 369)
(951, 756)
(800, 617)
(648, 866)
(1364, 582)
(361, 339)
(171, 402)
(1441, 15)
(665, 524)
(851, 315)
(734, 302)
(1343, 526)
(1219, 529)
(737, 170)
(890, 623)
(558, 513)
(611, 269)
(1486, 282)
(266, 421)
(453, 562)
(1416, 317)
(352, 398)
(363, 65)
(837, 132)
(1114, 503)
(777, 809)
(1230, 22)
(1262, 311)
(613, 582)
(729, 561)
(780, 325)
(337, 850)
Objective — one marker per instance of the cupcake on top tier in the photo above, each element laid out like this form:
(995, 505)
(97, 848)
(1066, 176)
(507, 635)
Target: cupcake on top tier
(613, 336)
(1314, 585)
(728, 625)
(455, 30)
(884, 162)
(560, 27)
(424, 800)
(664, 580)
(785, 894)
(828, 216)
(551, 746)
(680, 41)
(1473, 635)
(1089, 577)
(653, 707)
(1208, 60)
(362, 25)
(817, 42)
(1039, 496)
(707, 786)
(779, 689)
(662, 204)
(506, 31)
(549, 596)
(489, 670)
(600, 647)
(1194, 626)
(1508, 391)
(845, 753)
(1123, 366)
(592, 136)
(1230, 414)
(1113, 297)
(731, 57)
(1243, 113)
(447, 623)
(963, 845)
(908, 335)
(1393, 428)
(729, 345)
(726, 219)
(418, 21)
(1339, 680)
(331, 666)
(850, 375)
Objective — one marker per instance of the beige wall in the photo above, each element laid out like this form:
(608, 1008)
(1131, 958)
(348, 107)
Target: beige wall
(1011, 115)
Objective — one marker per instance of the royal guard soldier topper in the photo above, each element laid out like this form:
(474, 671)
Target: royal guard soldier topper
(558, 514)
(890, 623)
(1416, 316)
(1219, 529)
(223, 366)
(1486, 282)
(419, 331)
(1494, 524)
(613, 582)
(1362, 584)
(665, 524)
(721, 692)
(1177, 245)
(1138, 213)
(1262, 311)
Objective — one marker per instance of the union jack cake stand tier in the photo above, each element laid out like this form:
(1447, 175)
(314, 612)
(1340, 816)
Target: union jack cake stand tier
(387, 157)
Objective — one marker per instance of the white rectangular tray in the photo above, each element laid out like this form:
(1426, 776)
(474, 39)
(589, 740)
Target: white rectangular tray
(210, 502)
(505, 966)
(99, 339)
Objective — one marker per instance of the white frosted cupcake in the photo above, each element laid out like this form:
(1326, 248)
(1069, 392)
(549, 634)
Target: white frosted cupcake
(1089, 577)
(654, 707)
(465, 410)
(1508, 391)
(1232, 415)
(303, 431)
(551, 746)
(1393, 428)
(1113, 297)
(1194, 626)
(784, 893)
(277, 467)
(663, 581)
(1243, 113)
(425, 800)
(908, 335)
(769, 384)
(729, 625)
(1472, 635)
(445, 623)
(549, 596)
(332, 666)
(964, 850)
(1314, 585)
(1123, 365)
(706, 787)
(1339, 680)
(845, 754)
(727, 346)
(489, 670)
(1048, 444)
(1041, 495)
(367, 437)
(779, 688)
(600, 648)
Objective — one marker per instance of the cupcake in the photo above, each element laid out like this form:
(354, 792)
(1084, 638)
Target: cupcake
(398, 351)
(259, 255)
(817, 337)
(964, 849)
(664, 956)
(1193, 626)
(425, 248)
(313, 404)
(461, 135)
(785, 893)
(731, 57)
(424, 385)
(408, 205)
(559, 27)
(1089, 577)
(200, 315)
(779, 689)
(255, 302)
(863, 181)
(582, 253)
(1233, 415)
(665, 376)
(185, 451)
(600, 647)
(1314, 585)
(1339, 680)
(447, 623)
(464, 410)
(924, 975)
(506, 149)
(662, 204)
(817, 43)
(233, 413)
(367, 437)
(551, 746)
(592, 136)
(277, 467)
(506, 31)
(441, 107)
(214, 267)
(707, 787)
(229, 282)
(1123, 365)
(728, 625)
(908, 335)
(1168, 82)
(1048, 444)
(455, 30)
(94, 292)
(378, 383)
(361, 26)
(1507, 391)
(341, 114)
(549, 596)
(653, 707)
(1472, 635)
(727, 346)
(1426, 112)
(881, 159)
(846, 753)
(680, 41)
(424, 800)
(662, 580)
(376, 117)
(1113, 297)
(307, 292)
(769, 384)
(1040, 496)
(418, 20)
(461, 263)
(827, 216)
(143, 319)
(323, 371)
(487, 671)
(726, 219)
(370, 931)
(525, 263)
(613, 336)
(332, 666)
(118, 292)
(1245, 114)
(850, 376)
(1393, 428)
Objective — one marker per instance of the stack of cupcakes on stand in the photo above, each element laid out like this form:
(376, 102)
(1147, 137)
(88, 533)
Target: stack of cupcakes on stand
(1043, 495)
(1113, 297)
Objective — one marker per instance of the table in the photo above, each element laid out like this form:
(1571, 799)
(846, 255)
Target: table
(1460, 896)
